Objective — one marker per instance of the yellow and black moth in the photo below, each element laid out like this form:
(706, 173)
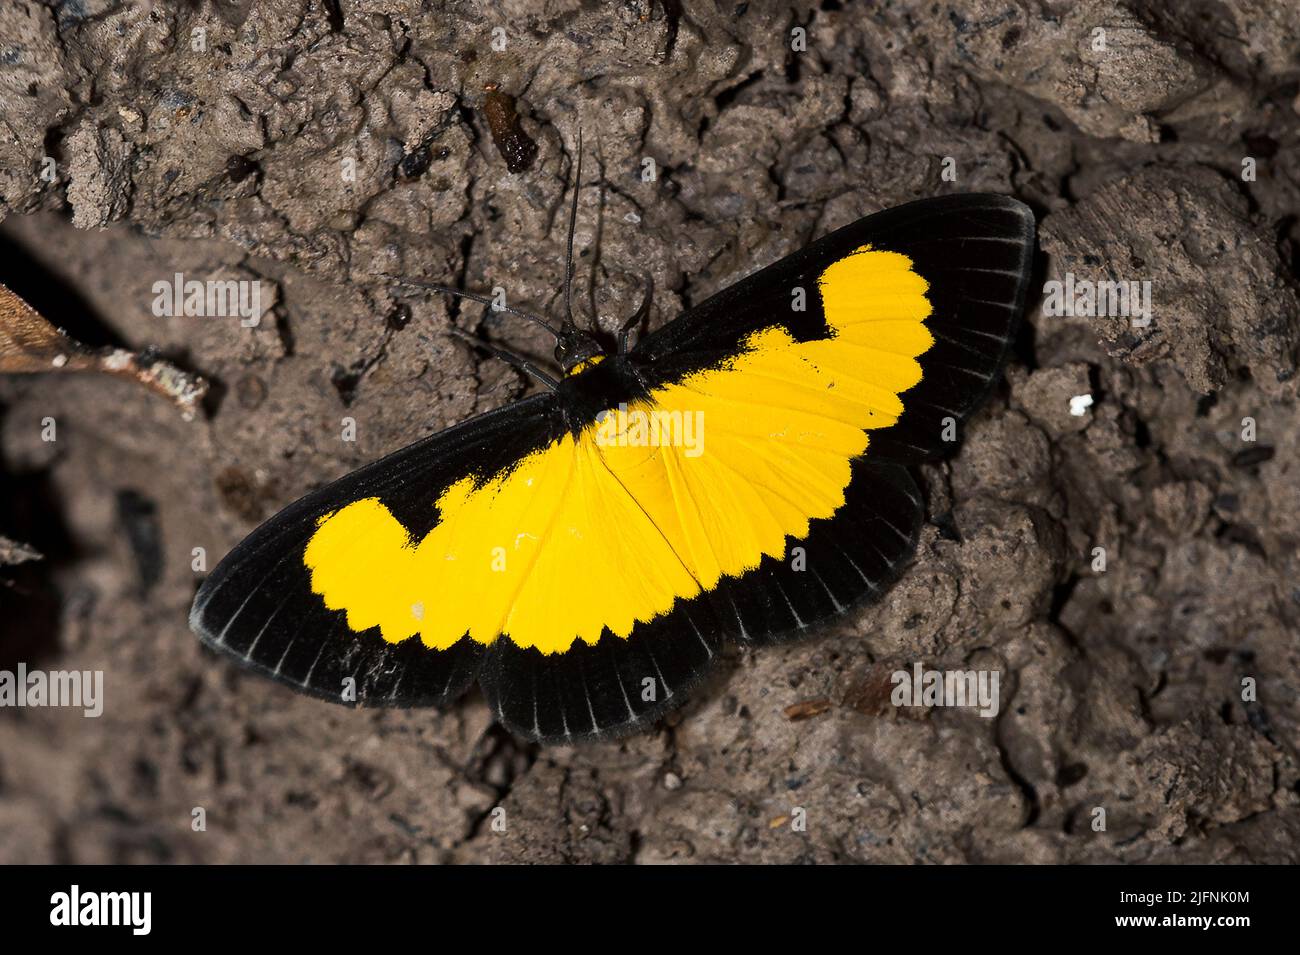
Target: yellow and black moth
(586, 574)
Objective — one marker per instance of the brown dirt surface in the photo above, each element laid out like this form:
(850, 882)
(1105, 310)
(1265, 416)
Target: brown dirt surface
(316, 146)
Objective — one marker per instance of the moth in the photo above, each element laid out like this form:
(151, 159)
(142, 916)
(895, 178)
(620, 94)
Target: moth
(581, 556)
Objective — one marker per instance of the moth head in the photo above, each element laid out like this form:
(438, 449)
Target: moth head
(574, 346)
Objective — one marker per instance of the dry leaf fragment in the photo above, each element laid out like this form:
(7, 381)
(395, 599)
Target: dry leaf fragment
(806, 709)
(514, 144)
(15, 552)
(29, 343)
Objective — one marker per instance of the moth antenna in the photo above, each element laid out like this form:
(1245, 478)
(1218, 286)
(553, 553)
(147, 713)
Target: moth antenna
(573, 222)
(481, 299)
(599, 236)
(640, 314)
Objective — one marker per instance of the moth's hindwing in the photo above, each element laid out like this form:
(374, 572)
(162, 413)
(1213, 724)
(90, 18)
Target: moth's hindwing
(620, 684)
(741, 474)
(259, 607)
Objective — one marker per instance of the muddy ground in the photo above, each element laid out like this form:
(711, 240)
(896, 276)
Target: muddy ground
(1161, 688)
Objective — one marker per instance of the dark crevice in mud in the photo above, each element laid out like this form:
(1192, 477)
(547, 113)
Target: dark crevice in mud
(346, 380)
(1162, 681)
(947, 526)
(32, 514)
(284, 331)
(1096, 385)
(1062, 593)
(1141, 432)
(466, 116)
(48, 293)
(1288, 246)
(731, 94)
(454, 302)
(1257, 719)
(1248, 459)
(497, 762)
(216, 394)
(53, 145)
(1232, 177)
(1242, 536)
(1144, 699)
(1069, 773)
(1033, 805)
(334, 14)
(1024, 348)
(773, 175)
(673, 16)
(137, 515)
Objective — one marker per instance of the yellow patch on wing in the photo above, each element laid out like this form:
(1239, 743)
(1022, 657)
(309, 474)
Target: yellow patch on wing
(582, 366)
(598, 531)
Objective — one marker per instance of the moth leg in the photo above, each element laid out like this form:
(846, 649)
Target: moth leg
(639, 315)
(510, 358)
(476, 297)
